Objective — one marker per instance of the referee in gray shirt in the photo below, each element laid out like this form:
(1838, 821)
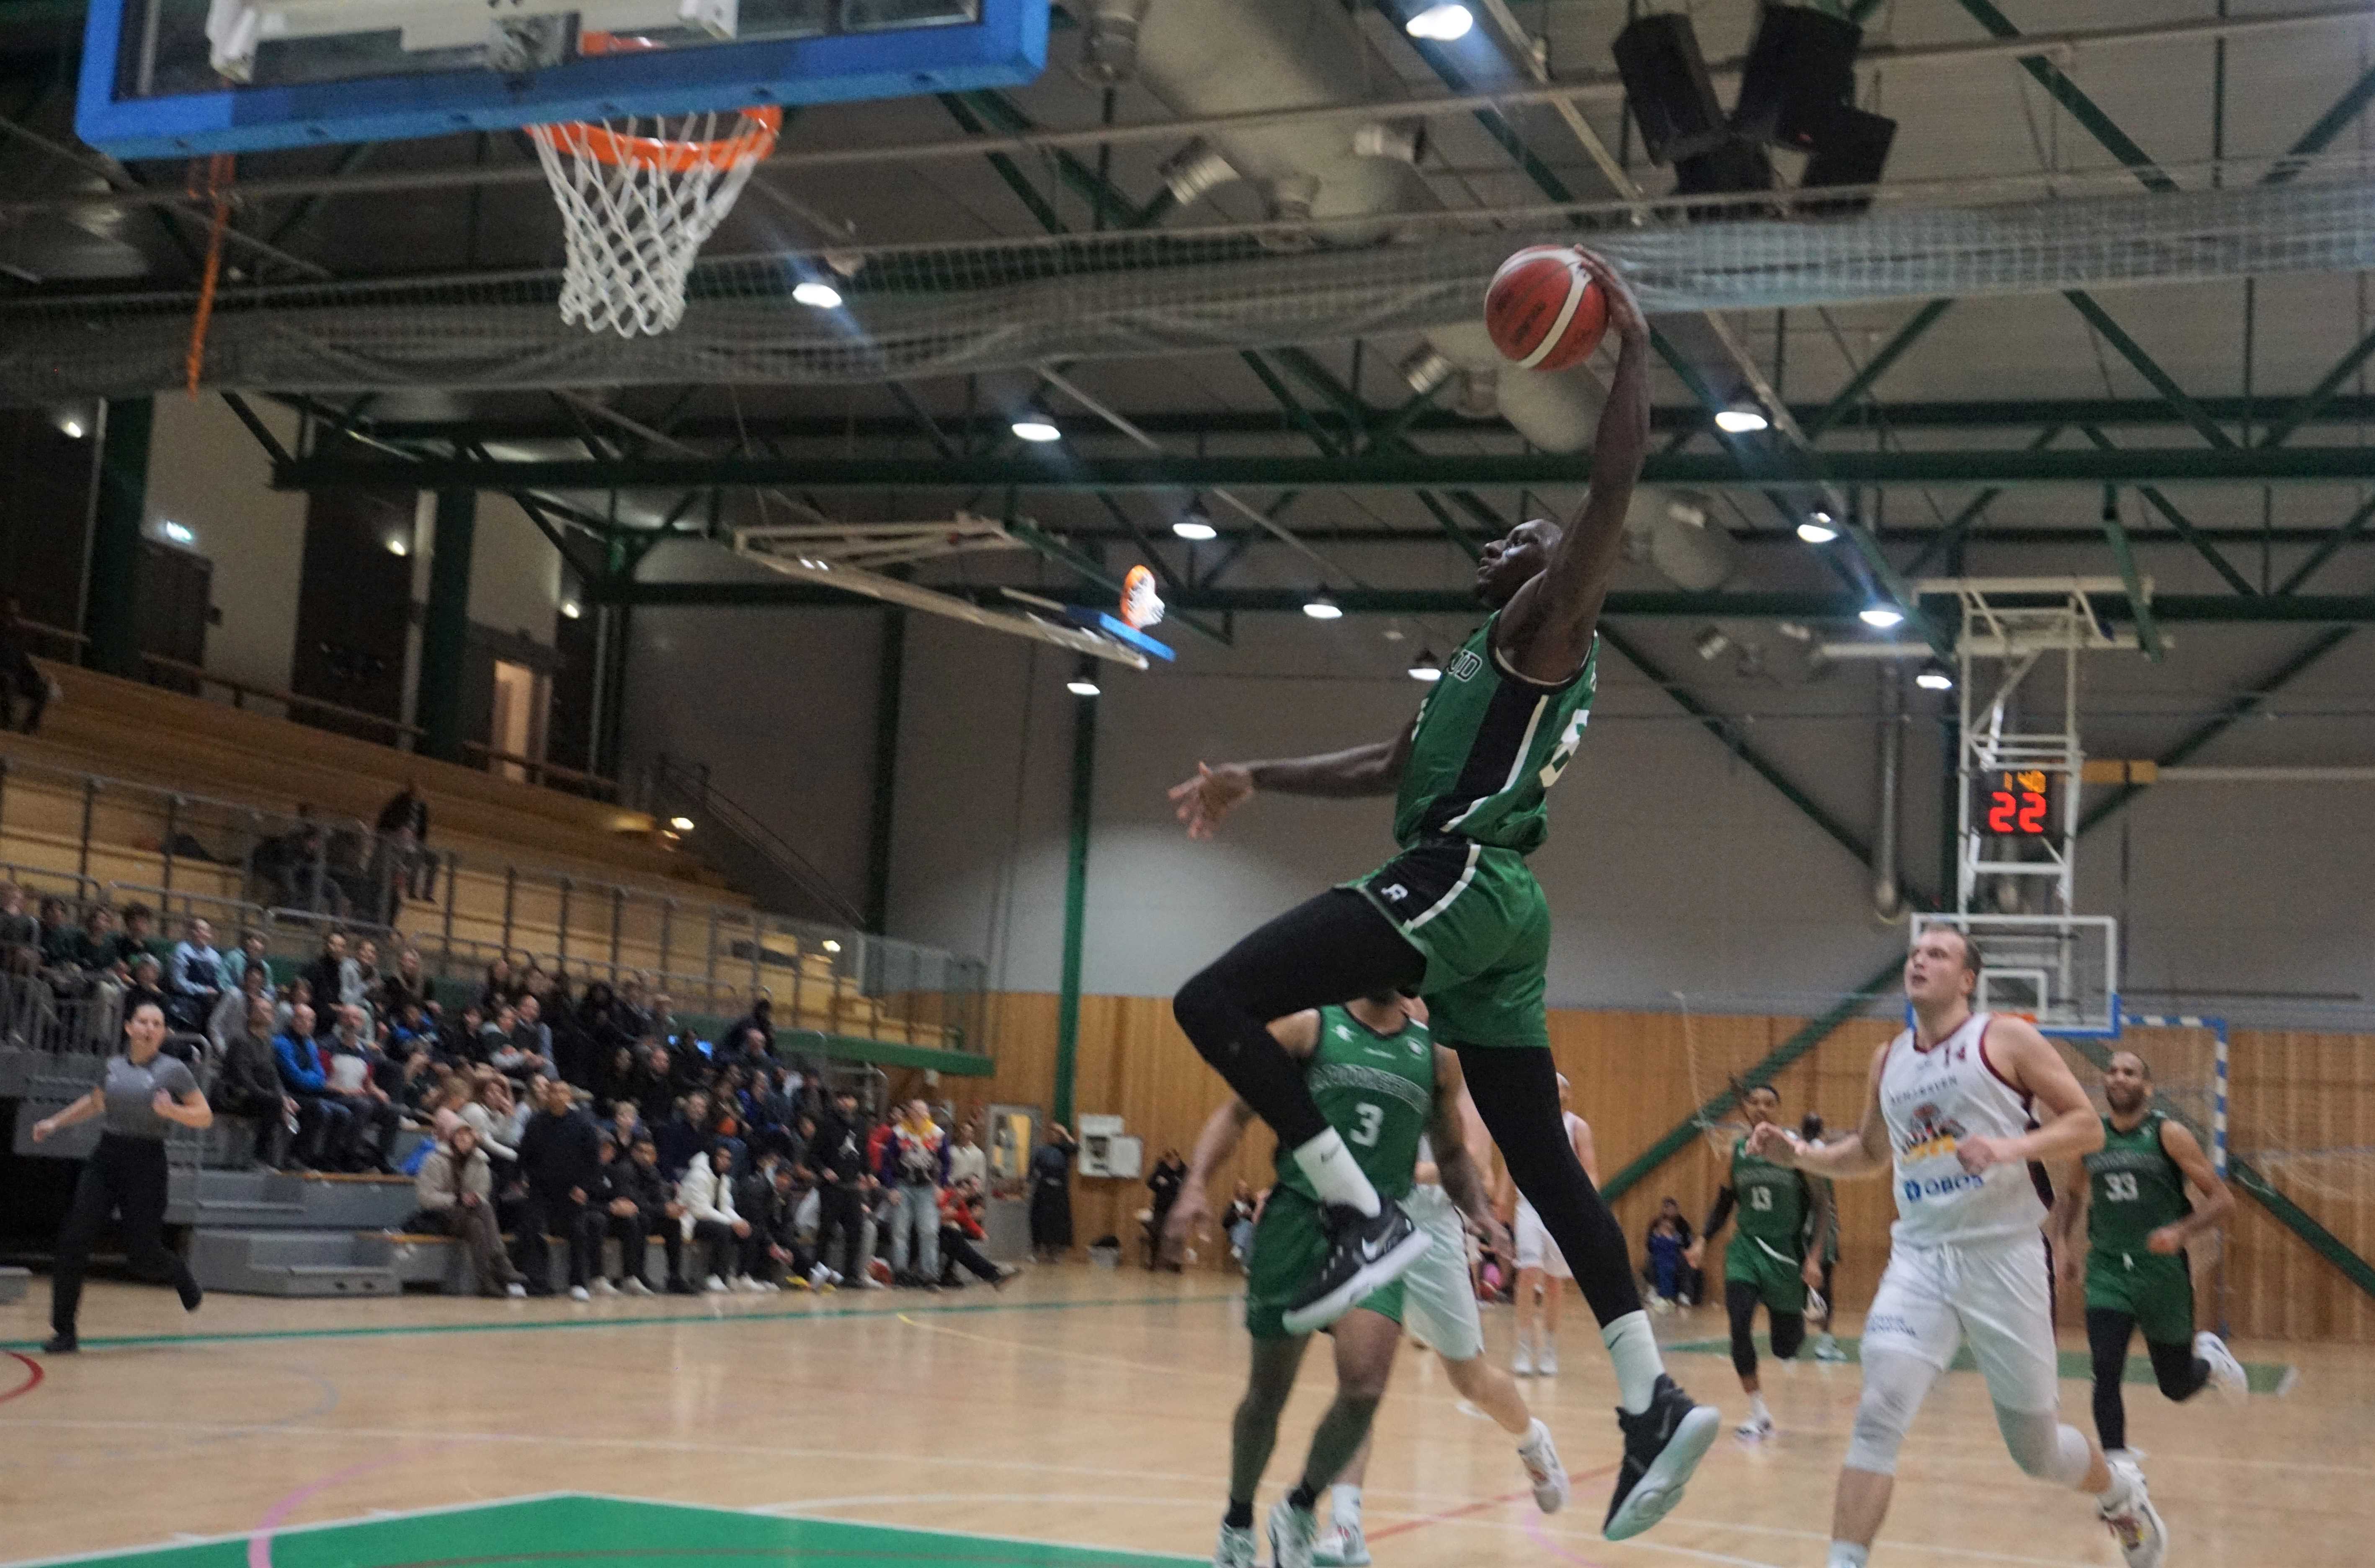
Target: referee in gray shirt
(141, 1092)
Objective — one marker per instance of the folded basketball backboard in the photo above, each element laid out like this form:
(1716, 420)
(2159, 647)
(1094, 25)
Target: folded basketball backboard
(166, 78)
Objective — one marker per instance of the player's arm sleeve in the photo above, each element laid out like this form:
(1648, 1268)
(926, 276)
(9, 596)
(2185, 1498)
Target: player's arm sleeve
(1725, 1200)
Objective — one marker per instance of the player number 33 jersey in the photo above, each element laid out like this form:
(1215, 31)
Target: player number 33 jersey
(1933, 1100)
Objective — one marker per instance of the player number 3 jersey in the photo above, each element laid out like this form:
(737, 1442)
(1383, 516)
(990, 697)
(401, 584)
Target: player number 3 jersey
(1374, 1090)
(1488, 747)
(1932, 1100)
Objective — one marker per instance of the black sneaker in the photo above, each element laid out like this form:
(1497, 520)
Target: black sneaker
(1363, 1255)
(1662, 1445)
(61, 1345)
(191, 1295)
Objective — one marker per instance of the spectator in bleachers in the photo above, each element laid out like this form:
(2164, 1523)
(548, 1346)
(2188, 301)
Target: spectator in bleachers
(657, 1214)
(299, 993)
(194, 979)
(684, 1134)
(1051, 1194)
(359, 977)
(410, 1034)
(495, 1033)
(837, 1155)
(228, 1019)
(20, 680)
(325, 1125)
(139, 931)
(662, 1024)
(915, 1168)
(20, 934)
(247, 1084)
(625, 1126)
(560, 1158)
(402, 985)
(146, 987)
(354, 1060)
(633, 1015)
(495, 989)
(326, 976)
(968, 1161)
(458, 1037)
(456, 1189)
(706, 1196)
(496, 1112)
(64, 944)
(404, 842)
(960, 1232)
(774, 1256)
(526, 1049)
(614, 1078)
(654, 1090)
(528, 979)
(236, 959)
(760, 1021)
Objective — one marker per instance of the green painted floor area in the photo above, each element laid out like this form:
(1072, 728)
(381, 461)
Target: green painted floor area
(613, 1533)
(2266, 1377)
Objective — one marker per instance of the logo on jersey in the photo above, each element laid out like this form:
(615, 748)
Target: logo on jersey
(1930, 1135)
(1393, 892)
(1467, 666)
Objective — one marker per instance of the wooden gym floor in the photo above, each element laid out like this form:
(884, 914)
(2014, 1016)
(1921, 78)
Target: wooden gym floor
(1078, 1409)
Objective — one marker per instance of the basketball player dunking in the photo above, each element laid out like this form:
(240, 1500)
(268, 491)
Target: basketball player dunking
(1457, 918)
(1950, 1109)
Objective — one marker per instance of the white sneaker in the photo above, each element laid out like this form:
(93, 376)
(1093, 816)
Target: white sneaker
(868, 1283)
(579, 1294)
(714, 1285)
(1522, 1363)
(516, 1291)
(1756, 1429)
(1342, 1546)
(2226, 1374)
(1546, 1359)
(604, 1288)
(1235, 1548)
(1293, 1533)
(2128, 1513)
(750, 1285)
(1826, 1349)
(635, 1286)
(1540, 1456)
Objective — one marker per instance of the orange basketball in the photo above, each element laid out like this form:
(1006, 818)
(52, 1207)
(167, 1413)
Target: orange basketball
(1543, 310)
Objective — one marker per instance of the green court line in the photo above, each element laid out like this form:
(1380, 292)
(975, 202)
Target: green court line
(398, 1330)
(2266, 1377)
(610, 1532)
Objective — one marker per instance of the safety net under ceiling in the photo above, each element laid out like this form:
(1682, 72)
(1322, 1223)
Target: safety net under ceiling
(936, 310)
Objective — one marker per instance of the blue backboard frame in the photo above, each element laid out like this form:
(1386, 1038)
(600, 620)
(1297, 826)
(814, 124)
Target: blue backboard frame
(1007, 47)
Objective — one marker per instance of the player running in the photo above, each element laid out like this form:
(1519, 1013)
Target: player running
(1542, 1272)
(1949, 1107)
(1458, 917)
(1383, 1084)
(1769, 1261)
(2137, 1218)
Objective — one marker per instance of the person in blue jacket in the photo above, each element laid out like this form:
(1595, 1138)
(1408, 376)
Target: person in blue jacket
(325, 1127)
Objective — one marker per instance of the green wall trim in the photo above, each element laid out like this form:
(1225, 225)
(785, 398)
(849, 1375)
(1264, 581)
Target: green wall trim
(445, 626)
(112, 601)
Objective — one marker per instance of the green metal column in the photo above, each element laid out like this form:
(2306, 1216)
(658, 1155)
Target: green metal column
(446, 629)
(111, 619)
(616, 634)
(1076, 898)
(893, 672)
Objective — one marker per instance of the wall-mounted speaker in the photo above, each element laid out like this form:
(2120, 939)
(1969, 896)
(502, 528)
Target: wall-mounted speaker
(1851, 148)
(1667, 87)
(1800, 67)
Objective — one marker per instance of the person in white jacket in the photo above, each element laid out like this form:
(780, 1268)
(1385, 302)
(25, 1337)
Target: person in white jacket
(706, 1193)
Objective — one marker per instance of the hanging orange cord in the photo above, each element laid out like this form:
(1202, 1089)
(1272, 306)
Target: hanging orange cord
(221, 167)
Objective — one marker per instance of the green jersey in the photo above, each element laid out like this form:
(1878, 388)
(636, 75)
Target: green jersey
(2136, 1188)
(1378, 1091)
(1488, 744)
(1772, 1203)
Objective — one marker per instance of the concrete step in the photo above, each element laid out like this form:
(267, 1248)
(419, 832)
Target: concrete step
(14, 1283)
(292, 1263)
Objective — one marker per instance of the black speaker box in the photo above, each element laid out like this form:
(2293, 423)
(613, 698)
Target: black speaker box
(1666, 83)
(1735, 165)
(1851, 148)
(1800, 65)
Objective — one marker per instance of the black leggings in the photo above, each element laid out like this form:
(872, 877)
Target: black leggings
(1328, 949)
(2180, 1372)
(125, 1177)
(1740, 1301)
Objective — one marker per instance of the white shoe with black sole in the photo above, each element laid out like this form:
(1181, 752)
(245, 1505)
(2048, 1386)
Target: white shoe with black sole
(1366, 1253)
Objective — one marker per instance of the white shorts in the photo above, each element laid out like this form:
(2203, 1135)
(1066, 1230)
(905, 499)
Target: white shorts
(1995, 1295)
(1535, 1248)
(1439, 1300)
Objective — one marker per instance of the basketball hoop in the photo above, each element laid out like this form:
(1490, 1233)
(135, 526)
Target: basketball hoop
(638, 198)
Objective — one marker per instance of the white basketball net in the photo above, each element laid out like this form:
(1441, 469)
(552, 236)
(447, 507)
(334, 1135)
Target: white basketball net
(638, 197)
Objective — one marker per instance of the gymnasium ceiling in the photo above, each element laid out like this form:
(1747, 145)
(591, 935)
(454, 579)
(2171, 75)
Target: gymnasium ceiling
(2227, 414)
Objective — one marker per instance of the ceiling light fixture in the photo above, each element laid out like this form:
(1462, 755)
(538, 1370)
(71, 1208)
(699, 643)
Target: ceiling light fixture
(572, 608)
(1319, 606)
(1035, 426)
(1935, 678)
(1710, 643)
(1741, 418)
(1084, 678)
(1440, 24)
(682, 824)
(1818, 528)
(1426, 667)
(829, 945)
(816, 296)
(1881, 616)
(398, 545)
(178, 532)
(1194, 525)
(71, 427)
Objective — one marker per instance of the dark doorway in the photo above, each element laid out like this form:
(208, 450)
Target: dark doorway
(175, 598)
(354, 604)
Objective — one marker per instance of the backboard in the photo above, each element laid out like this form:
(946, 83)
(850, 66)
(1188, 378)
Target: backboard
(167, 78)
(2063, 971)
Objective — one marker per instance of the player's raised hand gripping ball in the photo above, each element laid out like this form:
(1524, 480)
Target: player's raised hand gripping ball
(1545, 310)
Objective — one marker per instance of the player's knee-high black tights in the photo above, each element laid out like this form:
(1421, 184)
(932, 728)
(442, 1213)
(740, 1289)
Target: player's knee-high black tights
(1331, 949)
(2181, 1373)
(1516, 1090)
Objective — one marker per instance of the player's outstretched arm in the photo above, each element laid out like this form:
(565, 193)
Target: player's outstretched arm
(2067, 1126)
(1861, 1155)
(1449, 1129)
(2179, 1143)
(1215, 792)
(1546, 631)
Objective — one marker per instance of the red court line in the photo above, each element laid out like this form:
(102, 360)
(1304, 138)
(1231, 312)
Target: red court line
(1480, 1505)
(29, 1384)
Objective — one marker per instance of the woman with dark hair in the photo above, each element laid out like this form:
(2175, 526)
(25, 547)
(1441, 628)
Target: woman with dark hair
(497, 991)
(1051, 1196)
(141, 1092)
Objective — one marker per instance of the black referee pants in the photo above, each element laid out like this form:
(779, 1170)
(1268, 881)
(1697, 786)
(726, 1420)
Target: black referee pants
(125, 1177)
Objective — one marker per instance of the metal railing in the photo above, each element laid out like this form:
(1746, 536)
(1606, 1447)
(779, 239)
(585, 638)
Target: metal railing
(770, 864)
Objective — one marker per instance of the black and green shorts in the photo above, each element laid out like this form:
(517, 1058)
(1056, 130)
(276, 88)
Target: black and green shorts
(1479, 919)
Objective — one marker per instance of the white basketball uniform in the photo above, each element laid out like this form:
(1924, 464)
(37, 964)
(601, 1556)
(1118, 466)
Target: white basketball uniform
(1535, 1248)
(1439, 1300)
(1966, 1259)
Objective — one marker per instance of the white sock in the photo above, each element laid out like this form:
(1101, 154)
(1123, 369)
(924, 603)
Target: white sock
(1344, 1506)
(1634, 1349)
(1334, 1175)
(1756, 1411)
(1846, 1554)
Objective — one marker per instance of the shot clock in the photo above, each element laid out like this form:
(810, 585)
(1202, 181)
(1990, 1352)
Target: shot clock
(2016, 803)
